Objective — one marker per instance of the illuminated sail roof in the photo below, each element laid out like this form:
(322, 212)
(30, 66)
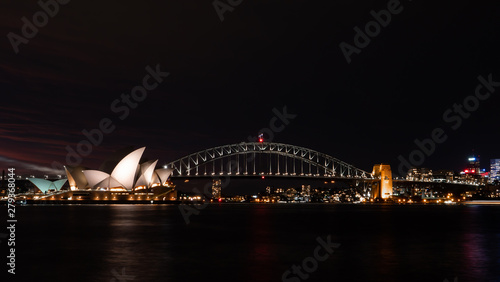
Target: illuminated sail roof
(46, 185)
(146, 176)
(94, 177)
(127, 174)
(76, 178)
(125, 170)
(164, 174)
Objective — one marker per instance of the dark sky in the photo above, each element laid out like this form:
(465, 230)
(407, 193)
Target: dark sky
(226, 78)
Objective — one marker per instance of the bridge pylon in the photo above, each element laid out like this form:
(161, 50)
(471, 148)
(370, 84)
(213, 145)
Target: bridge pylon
(382, 187)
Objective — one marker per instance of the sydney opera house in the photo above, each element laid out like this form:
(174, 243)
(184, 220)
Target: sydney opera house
(129, 180)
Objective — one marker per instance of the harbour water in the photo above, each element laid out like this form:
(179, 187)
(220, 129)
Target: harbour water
(257, 242)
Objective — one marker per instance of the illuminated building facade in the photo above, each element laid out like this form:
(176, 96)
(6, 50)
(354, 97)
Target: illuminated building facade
(47, 185)
(495, 169)
(382, 189)
(443, 175)
(472, 172)
(128, 175)
(76, 178)
(217, 189)
(473, 166)
(306, 190)
(419, 174)
(128, 181)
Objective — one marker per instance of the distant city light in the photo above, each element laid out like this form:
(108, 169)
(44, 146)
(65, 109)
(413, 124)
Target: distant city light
(472, 159)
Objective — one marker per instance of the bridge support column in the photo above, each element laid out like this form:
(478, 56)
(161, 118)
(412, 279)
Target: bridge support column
(383, 188)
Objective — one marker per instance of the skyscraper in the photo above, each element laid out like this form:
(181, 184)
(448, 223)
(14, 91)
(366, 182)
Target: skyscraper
(473, 166)
(217, 188)
(494, 169)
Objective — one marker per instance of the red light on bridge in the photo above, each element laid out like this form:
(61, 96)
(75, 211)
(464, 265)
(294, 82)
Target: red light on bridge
(220, 200)
(261, 137)
(261, 140)
(263, 177)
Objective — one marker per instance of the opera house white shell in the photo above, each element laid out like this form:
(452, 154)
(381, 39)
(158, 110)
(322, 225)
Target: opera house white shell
(127, 175)
(76, 178)
(47, 185)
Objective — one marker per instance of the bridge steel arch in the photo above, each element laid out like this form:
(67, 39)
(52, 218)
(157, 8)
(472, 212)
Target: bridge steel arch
(241, 160)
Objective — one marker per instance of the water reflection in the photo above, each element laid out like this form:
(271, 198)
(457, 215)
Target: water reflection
(258, 243)
(139, 242)
(476, 241)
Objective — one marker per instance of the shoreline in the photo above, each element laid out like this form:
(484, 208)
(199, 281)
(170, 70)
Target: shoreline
(176, 202)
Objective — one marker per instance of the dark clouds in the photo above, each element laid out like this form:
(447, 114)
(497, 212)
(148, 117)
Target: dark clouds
(226, 77)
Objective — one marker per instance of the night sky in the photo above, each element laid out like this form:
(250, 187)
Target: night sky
(226, 77)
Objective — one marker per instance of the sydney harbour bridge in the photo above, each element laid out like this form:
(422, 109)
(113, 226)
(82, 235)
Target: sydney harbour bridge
(268, 159)
(264, 159)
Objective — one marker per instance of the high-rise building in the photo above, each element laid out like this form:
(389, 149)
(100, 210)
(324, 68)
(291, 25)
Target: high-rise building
(268, 190)
(306, 189)
(494, 169)
(473, 166)
(217, 188)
